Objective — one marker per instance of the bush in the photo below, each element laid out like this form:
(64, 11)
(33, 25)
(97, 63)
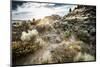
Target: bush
(65, 53)
(67, 34)
(20, 50)
(72, 52)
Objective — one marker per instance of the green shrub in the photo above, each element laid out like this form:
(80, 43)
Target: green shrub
(67, 34)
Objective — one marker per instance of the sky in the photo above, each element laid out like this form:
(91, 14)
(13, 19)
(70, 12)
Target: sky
(22, 10)
(47, 0)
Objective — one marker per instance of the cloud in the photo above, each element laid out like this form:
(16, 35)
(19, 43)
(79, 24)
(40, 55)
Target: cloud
(31, 10)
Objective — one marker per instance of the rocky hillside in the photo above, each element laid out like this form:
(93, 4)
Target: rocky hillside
(82, 22)
(81, 12)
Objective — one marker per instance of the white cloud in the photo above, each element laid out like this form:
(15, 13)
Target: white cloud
(31, 10)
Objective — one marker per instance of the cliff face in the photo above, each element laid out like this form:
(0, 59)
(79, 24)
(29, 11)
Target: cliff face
(82, 12)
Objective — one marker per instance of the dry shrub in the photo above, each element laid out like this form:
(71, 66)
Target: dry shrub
(72, 52)
(22, 49)
(65, 53)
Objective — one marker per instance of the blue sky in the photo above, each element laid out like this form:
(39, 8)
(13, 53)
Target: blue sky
(29, 10)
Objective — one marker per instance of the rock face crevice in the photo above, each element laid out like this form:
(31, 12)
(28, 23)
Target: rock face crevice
(70, 38)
